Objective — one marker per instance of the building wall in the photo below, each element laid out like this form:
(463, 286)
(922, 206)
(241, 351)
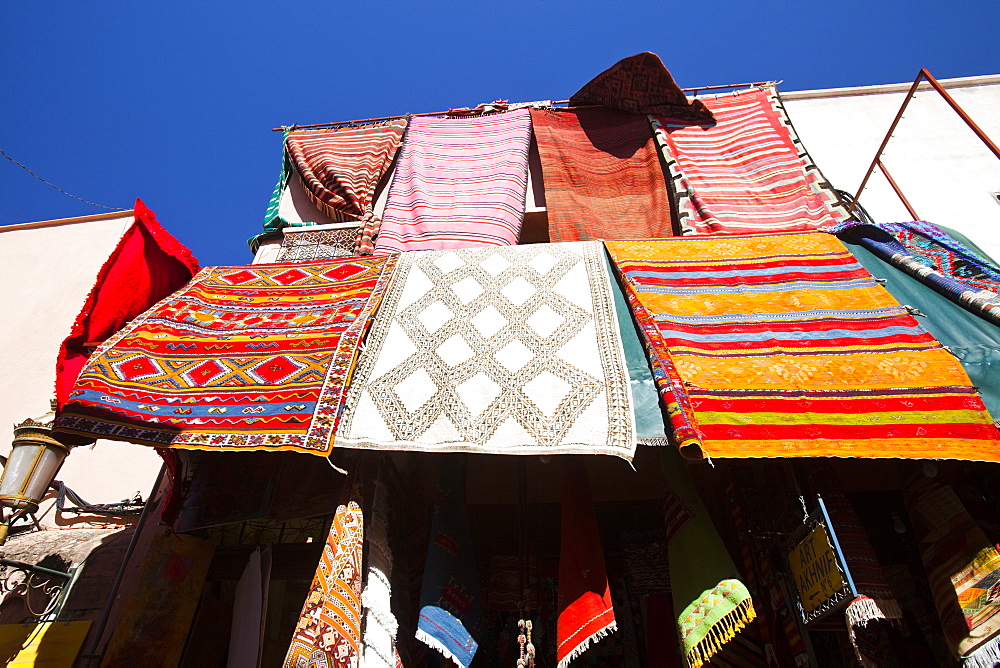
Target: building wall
(47, 269)
(949, 176)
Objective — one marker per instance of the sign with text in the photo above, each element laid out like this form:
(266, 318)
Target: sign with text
(820, 576)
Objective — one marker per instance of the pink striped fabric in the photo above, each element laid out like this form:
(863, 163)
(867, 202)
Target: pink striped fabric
(748, 172)
(459, 183)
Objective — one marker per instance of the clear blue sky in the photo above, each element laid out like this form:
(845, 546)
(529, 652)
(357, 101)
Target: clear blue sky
(173, 101)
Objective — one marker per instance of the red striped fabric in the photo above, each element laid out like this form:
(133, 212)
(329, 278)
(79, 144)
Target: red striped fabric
(748, 172)
(459, 183)
(341, 167)
(602, 175)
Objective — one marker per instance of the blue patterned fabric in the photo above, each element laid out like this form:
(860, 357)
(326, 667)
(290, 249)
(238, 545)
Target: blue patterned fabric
(449, 597)
(930, 255)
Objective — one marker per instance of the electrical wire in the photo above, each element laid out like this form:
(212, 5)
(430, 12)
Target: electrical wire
(25, 168)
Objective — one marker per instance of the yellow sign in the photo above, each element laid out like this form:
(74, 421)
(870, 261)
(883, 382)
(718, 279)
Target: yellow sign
(49, 644)
(813, 565)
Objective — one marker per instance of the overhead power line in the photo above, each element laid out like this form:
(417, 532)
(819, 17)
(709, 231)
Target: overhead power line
(25, 168)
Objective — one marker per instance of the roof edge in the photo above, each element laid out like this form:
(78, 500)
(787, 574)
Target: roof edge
(958, 82)
(67, 221)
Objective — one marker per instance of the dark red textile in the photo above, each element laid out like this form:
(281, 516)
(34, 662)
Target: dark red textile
(585, 611)
(602, 175)
(147, 265)
(640, 84)
(175, 495)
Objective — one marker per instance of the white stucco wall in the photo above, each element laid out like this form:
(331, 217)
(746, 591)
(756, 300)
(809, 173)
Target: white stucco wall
(944, 170)
(46, 272)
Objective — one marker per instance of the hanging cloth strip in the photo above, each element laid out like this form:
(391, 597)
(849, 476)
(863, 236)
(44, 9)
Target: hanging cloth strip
(963, 568)
(975, 341)
(251, 357)
(585, 611)
(783, 345)
(509, 350)
(380, 625)
(711, 603)
(650, 419)
(748, 172)
(923, 250)
(602, 175)
(640, 84)
(459, 183)
(450, 602)
(328, 632)
(147, 265)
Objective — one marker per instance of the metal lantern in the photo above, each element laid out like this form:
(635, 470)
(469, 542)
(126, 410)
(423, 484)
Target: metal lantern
(34, 460)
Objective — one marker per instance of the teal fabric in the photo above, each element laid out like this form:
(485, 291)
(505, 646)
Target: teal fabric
(273, 221)
(973, 340)
(649, 417)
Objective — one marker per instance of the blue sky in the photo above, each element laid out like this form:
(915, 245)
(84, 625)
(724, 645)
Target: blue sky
(173, 102)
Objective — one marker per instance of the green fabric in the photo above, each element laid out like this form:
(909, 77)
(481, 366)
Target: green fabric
(713, 605)
(649, 417)
(272, 219)
(973, 340)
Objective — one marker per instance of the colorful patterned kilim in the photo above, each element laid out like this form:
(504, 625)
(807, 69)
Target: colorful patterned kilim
(602, 175)
(328, 634)
(925, 252)
(340, 167)
(459, 182)
(963, 569)
(936, 248)
(249, 357)
(782, 344)
(748, 172)
(640, 84)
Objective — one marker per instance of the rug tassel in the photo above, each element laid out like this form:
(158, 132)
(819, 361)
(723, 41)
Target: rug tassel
(436, 644)
(585, 645)
(864, 609)
(986, 656)
(721, 632)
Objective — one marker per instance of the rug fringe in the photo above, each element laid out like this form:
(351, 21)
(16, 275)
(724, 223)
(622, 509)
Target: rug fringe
(865, 609)
(655, 441)
(436, 644)
(585, 645)
(721, 632)
(985, 656)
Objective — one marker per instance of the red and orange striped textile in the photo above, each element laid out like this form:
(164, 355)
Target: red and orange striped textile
(602, 175)
(748, 172)
(341, 167)
(459, 183)
(783, 345)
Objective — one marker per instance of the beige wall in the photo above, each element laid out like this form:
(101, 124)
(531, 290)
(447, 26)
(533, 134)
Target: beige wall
(46, 272)
(944, 170)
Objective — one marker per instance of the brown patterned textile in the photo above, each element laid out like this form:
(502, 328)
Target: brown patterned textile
(641, 84)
